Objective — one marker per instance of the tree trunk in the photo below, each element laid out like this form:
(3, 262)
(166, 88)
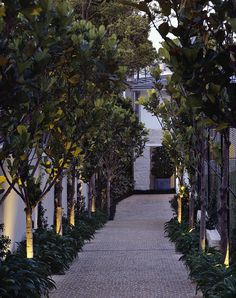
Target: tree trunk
(29, 233)
(202, 241)
(58, 206)
(94, 194)
(79, 197)
(179, 215)
(179, 197)
(90, 197)
(192, 202)
(40, 216)
(108, 196)
(71, 196)
(224, 194)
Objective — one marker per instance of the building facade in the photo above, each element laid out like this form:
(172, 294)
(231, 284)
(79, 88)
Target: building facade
(143, 178)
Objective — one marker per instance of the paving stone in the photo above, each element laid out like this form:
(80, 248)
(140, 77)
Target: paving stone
(129, 258)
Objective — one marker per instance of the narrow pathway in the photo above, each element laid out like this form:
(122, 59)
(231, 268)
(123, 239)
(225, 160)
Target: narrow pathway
(129, 257)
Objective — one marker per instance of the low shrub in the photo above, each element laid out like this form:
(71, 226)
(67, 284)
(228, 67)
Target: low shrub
(206, 269)
(54, 250)
(97, 220)
(212, 277)
(4, 243)
(24, 278)
(75, 233)
(186, 242)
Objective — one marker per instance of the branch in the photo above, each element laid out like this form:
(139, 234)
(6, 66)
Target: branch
(11, 183)
(7, 192)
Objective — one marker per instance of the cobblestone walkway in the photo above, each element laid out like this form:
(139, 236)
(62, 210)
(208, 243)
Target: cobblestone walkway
(129, 257)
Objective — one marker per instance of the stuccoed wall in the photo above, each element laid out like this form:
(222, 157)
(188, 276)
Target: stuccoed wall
(142, 165)
(142, 171)
(12, 213)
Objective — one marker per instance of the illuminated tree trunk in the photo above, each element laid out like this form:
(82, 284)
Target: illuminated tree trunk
(71, 196)
(90, 197)
(29, 233)
(202, 241)
(179, 215)
(58, 205)
(224, 193)
(108, 196)
(94, 195)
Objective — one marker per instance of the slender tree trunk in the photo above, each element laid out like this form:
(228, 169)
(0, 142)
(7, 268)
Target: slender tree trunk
(192, 202)
(224, 193)
(90, 197)
(202, 241)
(94, 194)
(179, 197)
(79, 197)
(179, 215)
(40, 216)
(108, 196)
(29, 233)
(58, 205)
(71, 196)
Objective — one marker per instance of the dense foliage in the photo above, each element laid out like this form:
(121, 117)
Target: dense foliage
(198, 48)
(162, 165)
(212, 277)
(21, 277)
(62, 76)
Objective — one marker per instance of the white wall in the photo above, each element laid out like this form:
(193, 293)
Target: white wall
(64, 196)
(148, 119)
(142, 166)
(13, 216)
(85, 189)
(142, 171)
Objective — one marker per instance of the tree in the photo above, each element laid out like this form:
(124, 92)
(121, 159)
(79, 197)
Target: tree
(131, 28)
(123, 139)
(202, 63)
(27, 89)
(162, 166)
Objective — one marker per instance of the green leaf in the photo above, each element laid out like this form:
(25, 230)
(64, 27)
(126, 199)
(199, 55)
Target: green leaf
(2, 179)
(164, 29)
(101, 29)
(214, 88)
(2, 11)
(98, 103)
(36, 11)
(211, 97)
(32, 11)
(164, 53)
(191, 54)
(39, 56)
(165, 7)
(233, 23)
(74, 80)
(21, 129)
(194, 101)
(222, 126)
